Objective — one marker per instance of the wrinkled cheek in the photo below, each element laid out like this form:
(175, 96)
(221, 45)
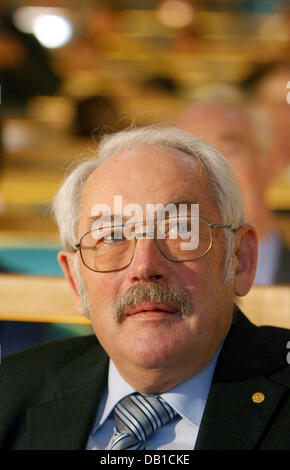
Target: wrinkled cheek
(101, 315)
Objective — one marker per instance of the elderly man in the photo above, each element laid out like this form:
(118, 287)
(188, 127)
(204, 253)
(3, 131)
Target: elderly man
(173, 363)
(242, 137)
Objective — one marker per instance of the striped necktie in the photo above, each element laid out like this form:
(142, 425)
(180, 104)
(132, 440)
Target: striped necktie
(136, 418)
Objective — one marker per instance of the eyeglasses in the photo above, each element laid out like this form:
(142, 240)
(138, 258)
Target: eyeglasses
(112, 248)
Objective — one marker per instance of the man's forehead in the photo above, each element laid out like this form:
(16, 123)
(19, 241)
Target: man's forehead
(148, 163)
(141, 154)
(155, 175)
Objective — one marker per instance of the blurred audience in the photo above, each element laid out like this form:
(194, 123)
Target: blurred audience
(25, 69)
(1, 162)
(15, 336)
(96, 115)
(236, 132)
(1, 146)
(267, 87)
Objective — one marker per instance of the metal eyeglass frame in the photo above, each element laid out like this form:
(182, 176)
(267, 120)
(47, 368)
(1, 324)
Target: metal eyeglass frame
(136, 237)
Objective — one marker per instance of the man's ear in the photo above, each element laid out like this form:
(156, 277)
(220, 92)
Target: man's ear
(67, 263)
(246, 252)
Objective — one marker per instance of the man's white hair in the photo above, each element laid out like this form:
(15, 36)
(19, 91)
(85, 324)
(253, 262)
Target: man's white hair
(223, 187)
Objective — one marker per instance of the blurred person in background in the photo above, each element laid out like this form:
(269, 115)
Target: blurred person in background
(1, 154)
(96, 115)
(268, 87)
(25, 69)
(240, 136)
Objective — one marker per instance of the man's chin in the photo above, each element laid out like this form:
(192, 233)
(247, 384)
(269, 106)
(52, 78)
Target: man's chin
(155, 352)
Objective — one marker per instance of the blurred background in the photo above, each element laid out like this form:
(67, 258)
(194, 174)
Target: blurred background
(71, 70)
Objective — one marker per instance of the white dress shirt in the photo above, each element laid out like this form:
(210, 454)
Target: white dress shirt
(188, 399)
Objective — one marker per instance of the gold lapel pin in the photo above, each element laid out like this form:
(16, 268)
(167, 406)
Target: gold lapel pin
(258, 397)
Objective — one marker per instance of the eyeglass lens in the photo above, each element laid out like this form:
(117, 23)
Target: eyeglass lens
(179, 239)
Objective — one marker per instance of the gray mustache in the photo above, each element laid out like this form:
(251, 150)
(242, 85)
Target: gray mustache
(151, 292)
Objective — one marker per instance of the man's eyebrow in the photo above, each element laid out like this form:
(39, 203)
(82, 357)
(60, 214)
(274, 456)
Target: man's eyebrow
(110, 218)
(182, 201)
(92, 218)
(106, 218)
(112, 215)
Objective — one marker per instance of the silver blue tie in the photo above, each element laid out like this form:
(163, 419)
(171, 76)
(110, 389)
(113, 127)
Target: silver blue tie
(136, 418)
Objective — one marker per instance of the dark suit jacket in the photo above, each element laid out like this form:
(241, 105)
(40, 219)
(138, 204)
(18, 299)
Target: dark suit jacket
(49, 394)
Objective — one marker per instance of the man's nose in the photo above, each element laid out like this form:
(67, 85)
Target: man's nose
(148, 262)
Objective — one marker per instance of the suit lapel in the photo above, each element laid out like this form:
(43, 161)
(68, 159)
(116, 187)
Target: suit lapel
(64, 422)
(233, 418)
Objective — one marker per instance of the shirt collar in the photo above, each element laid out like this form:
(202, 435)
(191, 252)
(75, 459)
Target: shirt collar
(187, 398)
(118, 388)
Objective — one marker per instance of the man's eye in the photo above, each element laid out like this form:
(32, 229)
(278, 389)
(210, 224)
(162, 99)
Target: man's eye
(112, 237)
(184, 228)
(175, 226)
(172, 229)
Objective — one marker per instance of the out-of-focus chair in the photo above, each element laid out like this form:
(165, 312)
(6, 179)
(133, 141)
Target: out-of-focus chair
(267, 305)
(32, 265)
(49, 299)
